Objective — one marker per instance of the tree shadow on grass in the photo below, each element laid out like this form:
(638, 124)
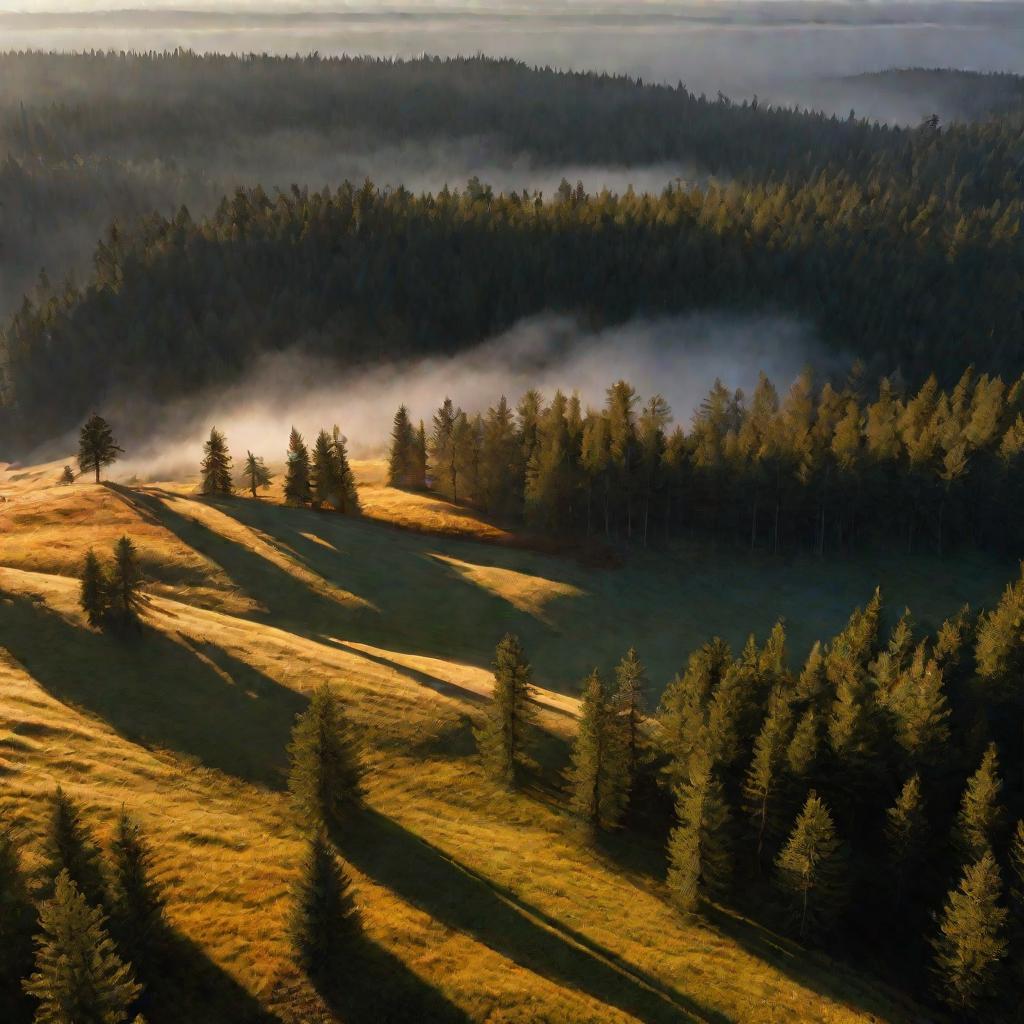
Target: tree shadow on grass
(159, 690)
(459, 898)
(375, 985)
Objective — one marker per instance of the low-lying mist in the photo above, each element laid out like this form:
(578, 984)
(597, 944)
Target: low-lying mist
(678, 357)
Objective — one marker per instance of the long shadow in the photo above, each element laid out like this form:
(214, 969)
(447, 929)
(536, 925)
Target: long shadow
(373, 985)
(455, 895)
(193, 698)
(798, 964)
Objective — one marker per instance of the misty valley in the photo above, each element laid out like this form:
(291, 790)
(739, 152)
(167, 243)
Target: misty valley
(511, 513)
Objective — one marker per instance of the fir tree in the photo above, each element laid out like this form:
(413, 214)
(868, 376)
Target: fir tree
(699, 855)
(94, 593)
(811, 871)
(763, 787)
(981, 815)
(971, 944)
(17, 926)
(906, 837)
(296, 480)
(69, 846)
(125, 582)
(216, 467)
(324, 920)
(402, 454)
(598, 774)
(255, 473)
(630, 703)
(420, 464)
(326, 771)
(96, 447)
(444, 451)
(346, 500)
(67, 476)
(323, 480)
(136, 902)
(78, 976)
(509, 715)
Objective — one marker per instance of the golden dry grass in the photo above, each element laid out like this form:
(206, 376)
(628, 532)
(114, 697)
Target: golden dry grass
(481, 904)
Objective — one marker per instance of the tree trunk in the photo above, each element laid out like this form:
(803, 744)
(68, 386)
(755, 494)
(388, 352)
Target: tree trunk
(97, 471)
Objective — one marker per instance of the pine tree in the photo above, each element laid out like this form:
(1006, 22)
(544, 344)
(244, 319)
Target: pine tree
(420, 464)
(94, 594)
(323, 480)
(699, 855)
(347, 498)
(980, 819)
(67, 476)
(255, 473)
(444, 453)
(296, 480)
(17, 926)
(69, 846)
(763, 789)
(906, 837)
(326, 771)
(78, 976)
(500, 484)
(502, 736)
(136, 903)
(125, 582)
(216, 467)
(598, 774)
(324, 920)
(630, 703)
(96, 447)
(971, 944)
(402, 455)
(811, 871)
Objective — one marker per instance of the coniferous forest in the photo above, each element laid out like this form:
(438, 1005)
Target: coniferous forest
(851, 811)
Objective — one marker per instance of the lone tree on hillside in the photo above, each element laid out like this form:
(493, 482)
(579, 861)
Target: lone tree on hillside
(216, 467)
(79, 975)
(325, 920)
(94, 594)
(811, 869)
(96, 446)
(136, 901)
(67, 476)
(502, 736)
(255, 473)
(69, 846)
(296, 480)
(326, 772)
(403, 457)
(125, 582)
(971, 944)
(598, 775)
(17, 926)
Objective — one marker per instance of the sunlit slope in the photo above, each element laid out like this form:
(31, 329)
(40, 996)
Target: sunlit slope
(431, 591)
(480, 905)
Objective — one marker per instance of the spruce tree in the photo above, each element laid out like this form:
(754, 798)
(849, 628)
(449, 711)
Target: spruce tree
(78, 976)
(67, 476)
(347, 500)
(420, 464)
(981, 816)
(255, 473)
(763, 787)
(326, 771)
(136, 902)
(971, 945)
(402, 454)
(598, 777)
(68, 845)
(216, 467)
(125, 582)
(324, 921)
(96, 446)
(296, 480)
(906, 837)
(323, 481)
(811, 872)
(17, 926)
(94, 593)
(502, 736)
(699, 855)
(630, 703)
